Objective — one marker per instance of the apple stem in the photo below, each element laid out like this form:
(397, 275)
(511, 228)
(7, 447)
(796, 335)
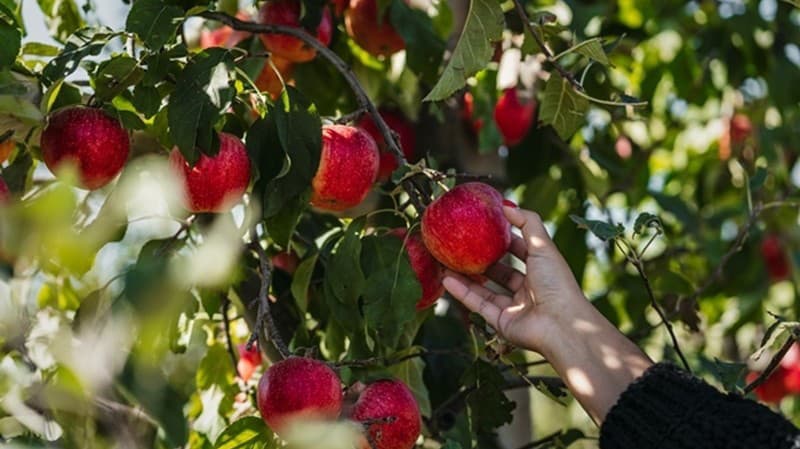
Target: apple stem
(775, 362)
(264, 315)
(364, 102)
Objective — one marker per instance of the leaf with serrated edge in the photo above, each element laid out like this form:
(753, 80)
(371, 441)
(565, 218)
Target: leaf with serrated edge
(562, 107)
(483, 27)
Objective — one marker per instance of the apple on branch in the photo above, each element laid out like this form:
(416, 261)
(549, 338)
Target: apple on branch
(405, 131)
(428, 270)
(297, 389)
(389, 414)
(94, 142)
(287, 12)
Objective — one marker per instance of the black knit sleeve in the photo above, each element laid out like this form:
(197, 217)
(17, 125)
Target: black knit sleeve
(668, 408)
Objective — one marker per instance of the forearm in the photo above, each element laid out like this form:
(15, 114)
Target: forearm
(595, 360)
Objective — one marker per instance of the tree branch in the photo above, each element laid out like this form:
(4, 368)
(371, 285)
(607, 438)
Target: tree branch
(526, 21)
(773, 364)
(264, 316)
(226, 324)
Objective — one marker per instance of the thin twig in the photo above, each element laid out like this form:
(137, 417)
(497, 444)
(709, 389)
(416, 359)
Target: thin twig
(351, 117)
(226, 324)
(773, 364)
(634, 259)
(264, 316)
(389, 361)
(526, 21)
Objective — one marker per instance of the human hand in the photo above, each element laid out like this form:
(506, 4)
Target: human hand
(534, 310)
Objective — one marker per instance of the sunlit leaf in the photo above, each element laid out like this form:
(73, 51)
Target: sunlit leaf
(562, 107)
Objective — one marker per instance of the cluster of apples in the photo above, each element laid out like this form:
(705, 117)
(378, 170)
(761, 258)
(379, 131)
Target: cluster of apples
(374, 34)
(299, 389)
(783, 382)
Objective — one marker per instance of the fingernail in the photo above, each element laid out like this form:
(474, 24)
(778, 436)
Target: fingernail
(509, 203)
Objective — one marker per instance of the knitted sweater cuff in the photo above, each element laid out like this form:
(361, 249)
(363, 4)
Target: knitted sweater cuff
(653, 407)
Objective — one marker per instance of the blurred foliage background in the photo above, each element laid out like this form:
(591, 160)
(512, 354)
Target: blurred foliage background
(114, 303)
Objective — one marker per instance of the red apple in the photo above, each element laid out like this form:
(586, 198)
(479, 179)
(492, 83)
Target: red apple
(268, 81)
(740, 128)
(286, 261)
(428, 270)
(90, 139)
(773, 389)
(389, 413)
(287, 12)
(296, 389)
(465, 229)
(224, 36)
(348, 168)
(775, 258)
(215, 183)
(377, 36)
(408, 140)
(6, 148)
(249, 360)
(513, 118)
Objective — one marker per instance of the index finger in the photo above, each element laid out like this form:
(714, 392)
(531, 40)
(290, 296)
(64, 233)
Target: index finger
(533, 231)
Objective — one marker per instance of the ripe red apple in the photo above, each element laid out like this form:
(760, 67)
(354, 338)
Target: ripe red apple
(6, 148)
(513, 118)
(224, 36)
(348, 168)
(377, 36)
(408, 140)
(268, 81)
(389, 413)
(298, 388)
(465, 229)
(773, 389)
(740, 128)
(249, 360)
(428, 270)
(286, 261)
(775, 259)
(90, 139)
(215, 183)
(287, 12)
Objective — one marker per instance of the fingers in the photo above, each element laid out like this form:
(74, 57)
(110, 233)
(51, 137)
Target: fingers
(474, 297)
(518, 247)
(534, 233)
(507, 276)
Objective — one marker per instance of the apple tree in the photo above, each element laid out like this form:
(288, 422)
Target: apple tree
(223, 224)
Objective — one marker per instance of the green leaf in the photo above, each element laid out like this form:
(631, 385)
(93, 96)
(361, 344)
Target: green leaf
(392, 289)
(61, 94)
(410, 372)
(62, 17)
(604, 231)
(302, 281)
(489, 408)
(562, 107)
(39, 49)
(115, 75)
(424, 47)
(82, 44)
(154, 21)
(281, 225)
(215, 369)
(249, 432)
(475, 47)
(18, 175)
(592, 49)
(647, 220)
(344, 281)
(146, 99)
(11, 38)
(203, 92)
